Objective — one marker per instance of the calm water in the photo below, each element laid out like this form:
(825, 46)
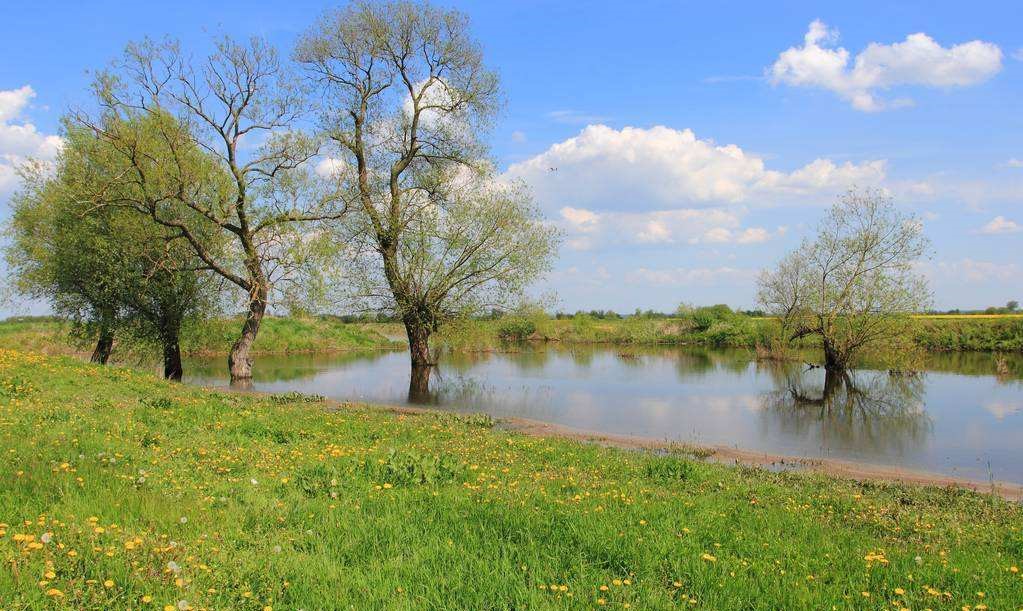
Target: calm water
(957, 417)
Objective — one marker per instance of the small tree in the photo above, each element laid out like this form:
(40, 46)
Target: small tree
(219, 155)
(106, 268)
(406, 101)
(854, 284)
(1012, 305)
(63, 261)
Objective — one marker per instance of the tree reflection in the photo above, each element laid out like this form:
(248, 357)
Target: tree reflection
(869, 411)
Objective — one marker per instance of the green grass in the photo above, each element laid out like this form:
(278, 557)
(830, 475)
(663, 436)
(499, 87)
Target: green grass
(277, 335)
(121, 491)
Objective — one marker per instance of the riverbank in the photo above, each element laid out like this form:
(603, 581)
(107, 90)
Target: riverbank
(130, 492)
(277, 335)
(721, 327)
(704, 327)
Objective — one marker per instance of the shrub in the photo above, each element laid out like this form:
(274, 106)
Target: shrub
(516, 329)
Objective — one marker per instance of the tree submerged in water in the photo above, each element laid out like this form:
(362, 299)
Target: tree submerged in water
(854, 285)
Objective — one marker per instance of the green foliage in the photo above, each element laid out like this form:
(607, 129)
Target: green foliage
(295, 397)
(967, 333)
(670, 467)
(477, 419)
(76, 244)
(516, 329)
(411, 468)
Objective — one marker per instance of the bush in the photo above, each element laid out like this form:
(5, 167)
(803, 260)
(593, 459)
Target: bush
(516, 329)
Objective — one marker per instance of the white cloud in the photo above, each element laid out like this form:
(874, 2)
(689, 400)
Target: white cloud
(1014, 163)
(575, 117)
(586, 229)
(1000, 224)
(972, 271)
(19, 139)
(918, 60)
(518, 136)
(1018, 54)
(664, 168)
(330, 167)
(687, 276)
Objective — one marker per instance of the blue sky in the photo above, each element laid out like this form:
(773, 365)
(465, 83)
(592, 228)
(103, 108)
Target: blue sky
(694, 142)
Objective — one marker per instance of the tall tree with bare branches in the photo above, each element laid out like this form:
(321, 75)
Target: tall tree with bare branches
(220, 152)
(406, 101)
(855, 284)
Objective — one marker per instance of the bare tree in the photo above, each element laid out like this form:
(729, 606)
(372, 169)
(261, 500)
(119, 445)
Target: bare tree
(223, 134)
(406, 99)
(855, 283)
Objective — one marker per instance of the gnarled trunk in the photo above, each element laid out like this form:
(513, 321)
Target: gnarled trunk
(239, 363)
(418, 342)
(834, 359)
(104, 346)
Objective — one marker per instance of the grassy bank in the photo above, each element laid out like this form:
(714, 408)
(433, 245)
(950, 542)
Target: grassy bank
(720, 327)
(122, 491)
(277, 335)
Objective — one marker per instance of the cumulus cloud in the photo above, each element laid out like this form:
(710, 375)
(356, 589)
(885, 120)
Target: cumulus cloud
(587, 229)
(667, 186)
(999, 225)
(663, 168)
(19, 139)
(918, 60)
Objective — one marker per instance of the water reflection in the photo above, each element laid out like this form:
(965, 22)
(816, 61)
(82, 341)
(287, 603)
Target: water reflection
(875, 411)
(957, 417)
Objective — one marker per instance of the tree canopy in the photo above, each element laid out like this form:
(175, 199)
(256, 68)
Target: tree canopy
(854, 283)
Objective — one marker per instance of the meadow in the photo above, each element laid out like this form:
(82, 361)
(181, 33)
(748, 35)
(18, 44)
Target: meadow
(123, 491)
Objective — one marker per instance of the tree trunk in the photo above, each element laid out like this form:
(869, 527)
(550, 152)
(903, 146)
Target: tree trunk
(418, 343)
(834, 360)
(172, 369)
(419, 384)
(104, 346)
(239, 363)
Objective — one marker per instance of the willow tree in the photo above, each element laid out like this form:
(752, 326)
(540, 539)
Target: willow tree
(108, 270)
(220, 155)
(406, 101)
(54, 257)
(856, 283)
